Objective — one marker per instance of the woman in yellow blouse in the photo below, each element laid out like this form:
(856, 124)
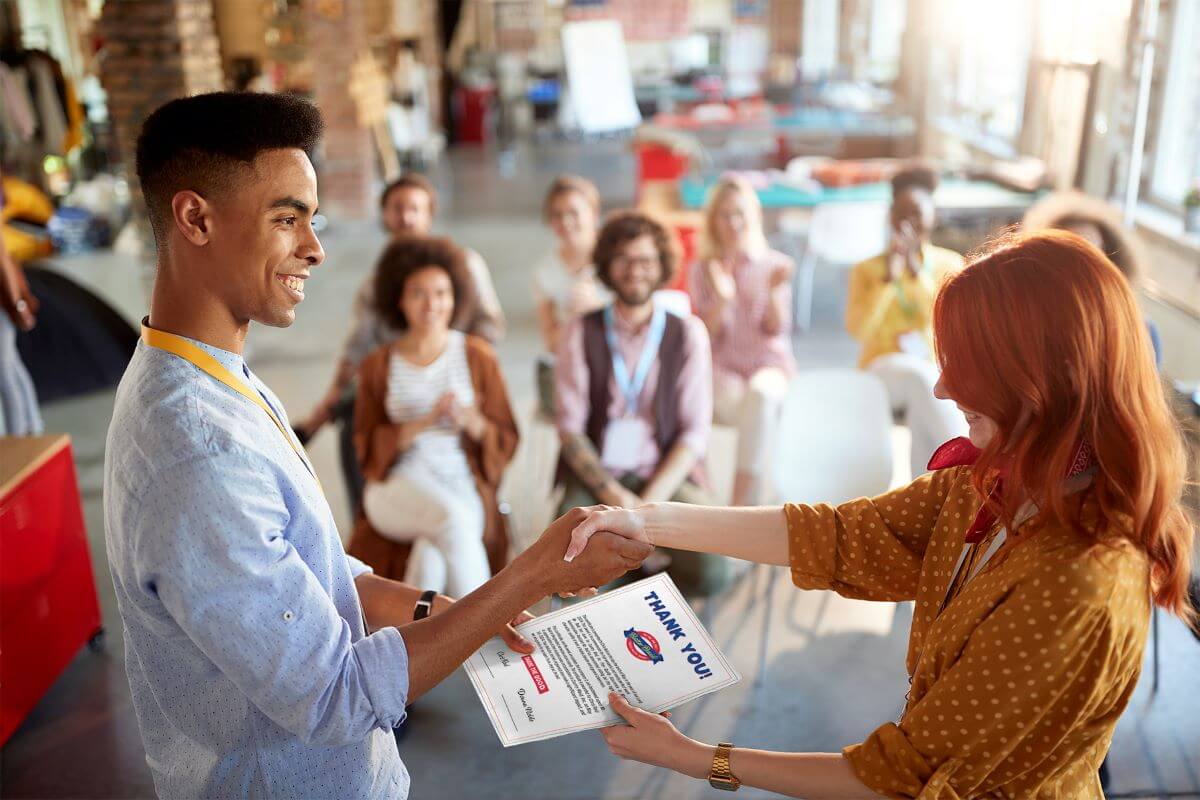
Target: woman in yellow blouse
(1031, 607)
(889, 310)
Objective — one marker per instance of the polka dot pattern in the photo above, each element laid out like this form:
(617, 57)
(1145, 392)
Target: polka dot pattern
(1017, 684)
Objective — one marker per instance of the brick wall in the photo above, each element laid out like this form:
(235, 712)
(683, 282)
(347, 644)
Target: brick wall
(154, 51)
(346, 176)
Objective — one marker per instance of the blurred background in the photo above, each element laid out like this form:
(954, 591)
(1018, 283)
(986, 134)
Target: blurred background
(816, 102)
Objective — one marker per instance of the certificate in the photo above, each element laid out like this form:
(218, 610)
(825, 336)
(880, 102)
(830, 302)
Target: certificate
(642, 641)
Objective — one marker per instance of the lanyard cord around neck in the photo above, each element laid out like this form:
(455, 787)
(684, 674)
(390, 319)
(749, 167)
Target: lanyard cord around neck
(203, 361)
(630, 386)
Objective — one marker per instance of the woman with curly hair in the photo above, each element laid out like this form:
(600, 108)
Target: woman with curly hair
(1099, 223)
(434, 429)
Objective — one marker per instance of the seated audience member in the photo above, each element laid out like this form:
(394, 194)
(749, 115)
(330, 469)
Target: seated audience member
(889, 310)
(433, 429)
(1099, 223)
(19, 413)
(742, 291)
(633, 391)
(564, 281)
(408, 205)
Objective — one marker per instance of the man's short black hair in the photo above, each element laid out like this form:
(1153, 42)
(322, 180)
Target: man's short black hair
(200, 142)
(915, 176)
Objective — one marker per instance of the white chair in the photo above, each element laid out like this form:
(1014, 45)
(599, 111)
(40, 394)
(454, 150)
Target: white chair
(675, 301)
(841, 234)
(834, 440)
(833, 444)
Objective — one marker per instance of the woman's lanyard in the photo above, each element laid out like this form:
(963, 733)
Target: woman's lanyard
(1025, 514)
(630, 386)
(181, 347)
(908, 306)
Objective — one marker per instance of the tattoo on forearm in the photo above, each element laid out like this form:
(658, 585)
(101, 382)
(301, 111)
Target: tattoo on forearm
(581, 456)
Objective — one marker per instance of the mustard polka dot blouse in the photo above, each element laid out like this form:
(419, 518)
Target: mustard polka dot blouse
(1018, 683)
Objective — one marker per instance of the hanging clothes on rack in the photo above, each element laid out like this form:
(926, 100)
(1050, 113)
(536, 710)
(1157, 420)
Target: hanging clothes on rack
(39, 110)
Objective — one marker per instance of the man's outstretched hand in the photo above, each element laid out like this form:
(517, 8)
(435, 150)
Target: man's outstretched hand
(606, 557)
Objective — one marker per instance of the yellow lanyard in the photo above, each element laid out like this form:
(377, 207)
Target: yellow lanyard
(178, 346)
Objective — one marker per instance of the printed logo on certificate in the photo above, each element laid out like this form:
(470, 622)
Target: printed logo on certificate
(642, 641)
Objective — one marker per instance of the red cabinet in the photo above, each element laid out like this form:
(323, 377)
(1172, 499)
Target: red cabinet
(48, 604)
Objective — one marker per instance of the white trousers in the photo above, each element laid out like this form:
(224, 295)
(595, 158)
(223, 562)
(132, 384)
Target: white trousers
(444, 520)
(909, 380)
(752, 406)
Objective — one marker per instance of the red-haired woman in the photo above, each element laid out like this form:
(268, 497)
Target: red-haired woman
(1033, 550)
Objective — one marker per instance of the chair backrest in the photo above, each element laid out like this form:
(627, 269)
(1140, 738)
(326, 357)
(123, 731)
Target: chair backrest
(846, 233)
(674, 300)
(834, 440)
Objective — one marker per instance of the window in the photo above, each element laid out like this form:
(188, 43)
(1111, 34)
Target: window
(979, 63)
(886, 33)
(1177, 151)
(819, 39)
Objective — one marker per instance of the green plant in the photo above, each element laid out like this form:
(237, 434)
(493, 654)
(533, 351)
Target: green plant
(1192, 198)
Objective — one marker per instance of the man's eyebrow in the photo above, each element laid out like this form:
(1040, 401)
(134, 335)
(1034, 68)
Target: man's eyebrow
(290, 202)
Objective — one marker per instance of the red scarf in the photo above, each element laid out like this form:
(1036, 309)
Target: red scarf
(960, 452)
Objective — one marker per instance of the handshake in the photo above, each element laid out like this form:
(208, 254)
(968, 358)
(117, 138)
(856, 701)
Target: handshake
(584, 549)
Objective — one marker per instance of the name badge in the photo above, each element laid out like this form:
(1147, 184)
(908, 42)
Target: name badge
(624, 440)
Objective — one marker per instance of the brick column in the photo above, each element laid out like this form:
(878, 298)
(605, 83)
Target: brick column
(337, 36)
(154, 51)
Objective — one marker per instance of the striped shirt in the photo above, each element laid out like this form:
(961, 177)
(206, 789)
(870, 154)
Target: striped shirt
(413, 391)
(743, 347)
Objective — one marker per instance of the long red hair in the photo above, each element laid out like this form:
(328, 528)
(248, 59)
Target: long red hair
(1042, 334)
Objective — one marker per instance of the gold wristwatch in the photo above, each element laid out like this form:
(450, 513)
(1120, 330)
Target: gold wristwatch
(719, 776)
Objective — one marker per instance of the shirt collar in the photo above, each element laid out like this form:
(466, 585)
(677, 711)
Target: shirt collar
(624, 327)
(960, 453)
(226, 358)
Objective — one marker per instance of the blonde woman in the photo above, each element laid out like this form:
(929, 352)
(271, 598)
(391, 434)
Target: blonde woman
(741, 288)
(564, 280)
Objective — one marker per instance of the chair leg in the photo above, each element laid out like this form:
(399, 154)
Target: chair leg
(804, 291)
(1154, 653)
(768, 605)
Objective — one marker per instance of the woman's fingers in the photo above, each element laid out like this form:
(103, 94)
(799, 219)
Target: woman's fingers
(579, 537)
(625, 711)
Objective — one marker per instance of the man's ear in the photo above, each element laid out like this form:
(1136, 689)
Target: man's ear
(192, 215)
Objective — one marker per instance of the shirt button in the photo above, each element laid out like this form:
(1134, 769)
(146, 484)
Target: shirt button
(288, 616)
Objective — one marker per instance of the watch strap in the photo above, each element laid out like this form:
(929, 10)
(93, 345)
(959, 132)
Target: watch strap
(424, 606)
(720, 776)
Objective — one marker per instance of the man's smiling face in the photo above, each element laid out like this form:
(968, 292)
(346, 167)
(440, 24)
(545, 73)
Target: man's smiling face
(264, 246)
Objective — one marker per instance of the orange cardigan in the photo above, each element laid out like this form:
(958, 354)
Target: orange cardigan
(375, 441)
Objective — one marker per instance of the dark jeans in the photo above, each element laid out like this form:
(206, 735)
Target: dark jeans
(695, 573)
(343, 417)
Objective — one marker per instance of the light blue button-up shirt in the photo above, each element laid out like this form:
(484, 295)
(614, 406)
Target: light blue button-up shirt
(250, 670)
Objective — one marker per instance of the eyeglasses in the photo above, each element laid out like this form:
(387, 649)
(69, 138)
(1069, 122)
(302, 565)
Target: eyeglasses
(644, 262)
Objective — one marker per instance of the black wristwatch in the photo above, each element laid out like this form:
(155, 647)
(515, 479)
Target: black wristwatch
(424, 606)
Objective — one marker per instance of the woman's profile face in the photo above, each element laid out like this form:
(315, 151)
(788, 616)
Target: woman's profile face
(573, 219)
(981, 429)
(427, 300)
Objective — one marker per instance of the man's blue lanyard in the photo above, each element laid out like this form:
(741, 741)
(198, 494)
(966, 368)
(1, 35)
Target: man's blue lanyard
(631, 387)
